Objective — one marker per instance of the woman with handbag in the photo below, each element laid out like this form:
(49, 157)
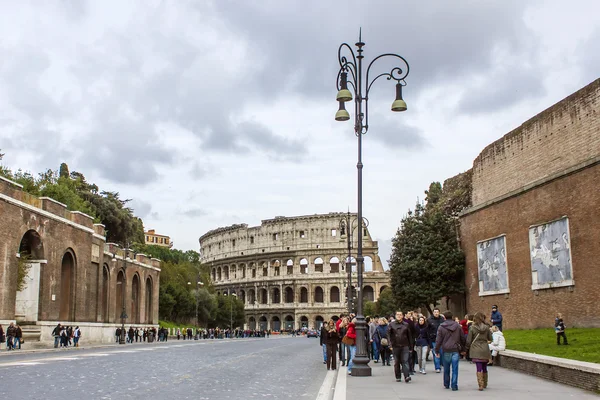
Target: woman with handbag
(478, 349)
(350, 341)
(384, 346)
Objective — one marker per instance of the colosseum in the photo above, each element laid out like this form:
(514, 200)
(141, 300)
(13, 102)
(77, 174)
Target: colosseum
(290, 272)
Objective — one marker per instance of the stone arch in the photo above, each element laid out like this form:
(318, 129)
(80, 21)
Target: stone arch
(275, 323)
(289, 322)
(318, 264)
(214, 274)
(319, 322)
(334, 294)
(243, 296)
(120, 294)
(31, 254)
(263, 296)
(149, 303)
(219, 274)
(382, 289)
(276, 299)
(262, 323)
(368, 263)
(135, 299)
(334, 265)
(226, 272)
(304, 266)
(252, 323)
(289, 294)
(303, 295)
(242, 268)
(289, 267)
(276, 264)
(368, 293)
(319, 295)
(251, 296)
(105, 293)
(304, 321)
(67, 284)
(264, 269)
(352, 262)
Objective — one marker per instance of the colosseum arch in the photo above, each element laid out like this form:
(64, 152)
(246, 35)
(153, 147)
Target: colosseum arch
(289, 295)
(276, 264)
(304, 266)
(290, 266)
(263, 296)
(319, 322)
(368, 293)
(275, 323)
(318, 264)
(243, 296)
(276, 299)
(252, 323)
(334, 294)
(219, 274)
(319, 295)
(382, 289)
(304, 321)
(368, 263)
(334, 265)
(242, 271)
(226, 272)
(233, 271)
(303, 295)
(289, 322)
(251, 296)
(262, 323)
(214, 274)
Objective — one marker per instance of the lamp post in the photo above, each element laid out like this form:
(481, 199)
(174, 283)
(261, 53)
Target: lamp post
(198, 283)
(231, 314)
(351, 73)
(349, 225)
(123, 291)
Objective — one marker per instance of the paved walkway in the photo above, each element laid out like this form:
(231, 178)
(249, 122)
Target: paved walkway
(503, 384)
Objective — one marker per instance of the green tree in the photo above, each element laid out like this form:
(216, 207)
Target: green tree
(386, 304)
(64, 170)
(426, 262)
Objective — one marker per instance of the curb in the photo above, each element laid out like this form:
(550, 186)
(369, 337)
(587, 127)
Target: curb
(328, 388)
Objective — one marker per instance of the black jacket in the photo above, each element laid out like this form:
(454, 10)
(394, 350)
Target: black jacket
(400, 334)
(323, 335)
(434, 324)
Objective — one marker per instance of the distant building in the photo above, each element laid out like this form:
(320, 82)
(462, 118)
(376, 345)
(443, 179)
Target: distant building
(157, 240)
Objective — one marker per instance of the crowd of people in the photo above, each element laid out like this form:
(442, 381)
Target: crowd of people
(411, 338)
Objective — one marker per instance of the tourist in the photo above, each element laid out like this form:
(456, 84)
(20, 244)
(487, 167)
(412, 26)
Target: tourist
(117, 334)
(332, 339)
(64, 341)
(412, 354)
(449, 340)
(423, 343)
(56, 335)
(342, 328)
(178, 334)
(76, 336)
(323, 342)
(498, 343)
(496, 317)
(350, 341)
(382, 341)
(478, 349)
(2, 337)
(400, 338)
(559, 328)
(10, 336)
(434, 322)
(18, 336)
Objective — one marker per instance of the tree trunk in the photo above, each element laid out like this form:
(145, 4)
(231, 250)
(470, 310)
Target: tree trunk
(428, 306)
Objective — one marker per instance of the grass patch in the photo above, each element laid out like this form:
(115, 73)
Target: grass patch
(169, 324)
(583, 343)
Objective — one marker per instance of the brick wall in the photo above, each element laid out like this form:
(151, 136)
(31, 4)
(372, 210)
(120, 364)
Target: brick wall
(564, 371)
(576, 196)
(557, 138)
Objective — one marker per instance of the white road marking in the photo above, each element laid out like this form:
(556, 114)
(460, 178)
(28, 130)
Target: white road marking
(95, 355)
(340, 384)
(326, 390)
(21, 363)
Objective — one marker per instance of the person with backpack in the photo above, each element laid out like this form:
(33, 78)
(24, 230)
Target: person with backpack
(559, 328)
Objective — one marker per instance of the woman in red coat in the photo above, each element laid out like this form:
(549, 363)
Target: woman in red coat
(350, 340)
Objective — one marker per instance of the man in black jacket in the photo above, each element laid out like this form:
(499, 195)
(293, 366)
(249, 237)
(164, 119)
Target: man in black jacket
(56, 334)
(434, 322)
(400, 338)
(323, 342)
(11, 331)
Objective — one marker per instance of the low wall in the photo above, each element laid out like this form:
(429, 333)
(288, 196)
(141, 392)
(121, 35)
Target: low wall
(91, 332)
(583, 375)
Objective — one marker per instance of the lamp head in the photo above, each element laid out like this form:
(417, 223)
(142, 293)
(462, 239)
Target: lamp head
(342, 114)
(344, 94)
(399, 104)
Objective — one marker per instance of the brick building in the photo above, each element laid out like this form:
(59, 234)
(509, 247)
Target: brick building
(73, 276)
(532, 234)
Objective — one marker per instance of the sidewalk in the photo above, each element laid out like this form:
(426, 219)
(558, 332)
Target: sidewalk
(503, 384)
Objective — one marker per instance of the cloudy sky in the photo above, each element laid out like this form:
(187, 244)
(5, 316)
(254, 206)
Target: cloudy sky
(210, 113)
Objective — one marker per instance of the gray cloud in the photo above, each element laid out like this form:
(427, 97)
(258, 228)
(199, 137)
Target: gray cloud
(141, 208)
(195, 212)
(395, 133)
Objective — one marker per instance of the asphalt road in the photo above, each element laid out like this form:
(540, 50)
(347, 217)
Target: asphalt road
(274, 368)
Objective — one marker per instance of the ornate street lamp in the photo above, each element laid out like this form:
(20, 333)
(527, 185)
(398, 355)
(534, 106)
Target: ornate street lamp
(198, 283)
(351, 73)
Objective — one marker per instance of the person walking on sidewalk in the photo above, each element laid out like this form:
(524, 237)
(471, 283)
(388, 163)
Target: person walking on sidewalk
(423, 343)
(331, 340)
(18, 336)
(434, 323)
(450, 340)
(76, 336)
(350, 341)
(382, 339)
(400, 339)
(10, 336)
(478, 349)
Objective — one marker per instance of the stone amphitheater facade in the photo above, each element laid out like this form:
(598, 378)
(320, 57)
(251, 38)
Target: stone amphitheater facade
(291, 272)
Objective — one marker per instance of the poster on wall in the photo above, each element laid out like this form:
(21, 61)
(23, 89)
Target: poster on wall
(550, 246)
(493, 273)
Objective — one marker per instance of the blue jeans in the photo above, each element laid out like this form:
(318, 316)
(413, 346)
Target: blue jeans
(351, 358)
(342, 352)
(56, 341)
(436, 360)
(451, 359)
(17, 343)
(375, 350)
(324, 352)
